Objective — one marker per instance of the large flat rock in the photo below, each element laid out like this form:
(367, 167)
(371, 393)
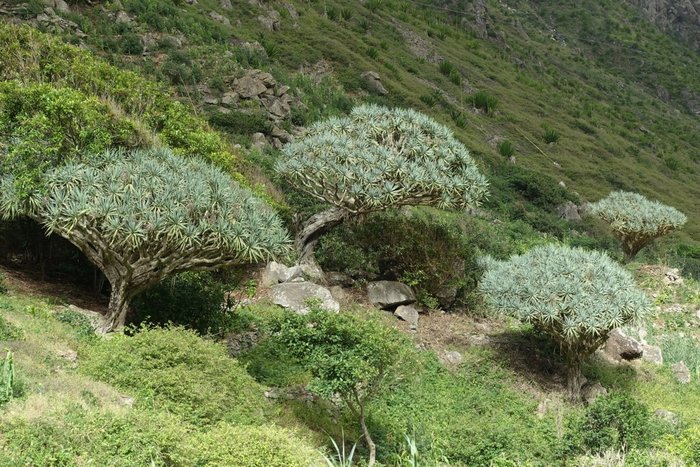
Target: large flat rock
(389, 294)
(296, 296)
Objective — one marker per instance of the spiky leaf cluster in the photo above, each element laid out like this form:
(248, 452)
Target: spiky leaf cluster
(574, 295)
(633, 217)
(378, 158)
(151, 206)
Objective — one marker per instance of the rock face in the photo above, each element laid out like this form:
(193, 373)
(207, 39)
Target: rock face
(679, 17)
(389, 294)
(274, 273)
(374, 83)
(681, 372)
(408, 313)
(620, 346)
(295, 296)
(569, 211)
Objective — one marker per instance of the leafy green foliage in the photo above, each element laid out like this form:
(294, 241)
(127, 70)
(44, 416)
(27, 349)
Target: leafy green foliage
(8, 331)
(431, 251)
(506, 148)
(175, 370)
(241, 123)
(31, 57)
(195, 300)
(686, 445)
(635, 220)
(573, 295)
(254, 446)
(550, 135)
(378, 158)
(348, 355)
(81, 324)
(484, 101)
(616, 422)
(7, 379)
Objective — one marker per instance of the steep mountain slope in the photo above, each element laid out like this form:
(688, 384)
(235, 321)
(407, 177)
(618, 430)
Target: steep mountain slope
(620, 94)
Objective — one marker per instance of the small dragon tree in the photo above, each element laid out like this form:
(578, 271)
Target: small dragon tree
(348, 356)
(378, 158)
(575, 296)
(143, 216)
(635, 220)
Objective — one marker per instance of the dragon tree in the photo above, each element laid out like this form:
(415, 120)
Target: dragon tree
(146, 215)
(374, 159)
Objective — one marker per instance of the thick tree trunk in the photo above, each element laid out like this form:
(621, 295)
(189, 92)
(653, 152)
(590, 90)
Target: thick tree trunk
(368, 439)
(574, 378)
(313, 228)
(119, 304)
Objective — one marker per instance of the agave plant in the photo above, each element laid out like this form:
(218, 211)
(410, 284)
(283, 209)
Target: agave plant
(378, 158)
(635, 220)
(575, 296)
(143, 216)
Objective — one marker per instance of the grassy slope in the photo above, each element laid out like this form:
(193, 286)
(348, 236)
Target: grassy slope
(589, 70)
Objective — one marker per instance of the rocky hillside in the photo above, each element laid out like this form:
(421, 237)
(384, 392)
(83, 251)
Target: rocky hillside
(679, 17)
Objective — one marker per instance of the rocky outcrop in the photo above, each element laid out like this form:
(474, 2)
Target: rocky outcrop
(296, 296)
(568, 211)
(679, 17)
(275, 273)
(374, 83)
(389, 294)
(681, 372)
(620, 346)
(408, 313)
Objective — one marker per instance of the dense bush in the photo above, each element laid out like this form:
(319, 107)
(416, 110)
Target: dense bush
(421, 248)
(685, 445)
(195, 300)
(484, 101)
(232, 445)
(615, 422)
(176, 370)
(575, 296)
(241, 123)
(131, 439)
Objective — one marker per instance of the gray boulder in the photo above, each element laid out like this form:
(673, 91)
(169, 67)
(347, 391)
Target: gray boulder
(338, 278)
(374, 82)
(408, 313)
(668, 416)
(389, 294)
(591, 392)
(296, 296)
(652, 354)
(620, 346)
(681, 372)
(450, 358)
(568, 211)
(274, 273)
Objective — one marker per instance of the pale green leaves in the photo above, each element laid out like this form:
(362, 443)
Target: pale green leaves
(575, 295)
(153, 200)
(378, 158)
(633, 213)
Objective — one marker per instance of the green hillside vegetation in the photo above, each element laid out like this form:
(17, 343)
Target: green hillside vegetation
(151, 150)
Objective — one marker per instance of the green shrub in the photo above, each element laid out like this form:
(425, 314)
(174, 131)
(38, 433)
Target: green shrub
(484, 101)
(615, 422)
(191, 299)
(81, 324)
(446, 68)
(131, 44)
(372, 53)
(429, 251)
(135, 438)
(175, 370)
(685, 445)
(346, 13)
(241, 123)
(3, 284)
(550, 135)
(264, 446)
(8, 331)
(506, 148)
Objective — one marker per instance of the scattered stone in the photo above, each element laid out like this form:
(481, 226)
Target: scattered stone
(673, 277)
(70, 355)
(408, 313)
(562, 184)
(258, 140)
(590, 392)
(126, 401)
(620, 346)
(512, 159)
(374, 82)
(237, 343)
(211, 100)
(253, 84)
(339, 293)
(652, 354)
(275, 273)
(58, 5)
(668, 416)
(229, 98)
(568, 211)
(450, 357)
(281, 134)
(279, 107)
(272, 21)
(389, 294)
(123, 18)
(296, 295)
(220, 18)
(681, 372)
(225, 4)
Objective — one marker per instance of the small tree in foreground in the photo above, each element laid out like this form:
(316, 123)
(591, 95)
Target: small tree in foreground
(349, 356)
(143, 216)
(575, 296)
(378, 158)
(635, 220)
